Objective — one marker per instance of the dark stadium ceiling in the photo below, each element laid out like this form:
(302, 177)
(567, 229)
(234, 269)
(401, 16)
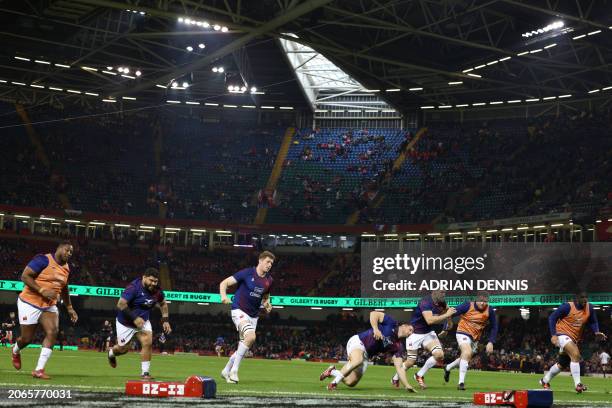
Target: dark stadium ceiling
(382, 44)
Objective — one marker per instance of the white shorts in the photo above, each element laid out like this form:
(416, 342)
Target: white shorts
(353, 344)
(125, 333)
(238, 316)
(465, 339)
(416, 341)
(29, 314)
(563, 340)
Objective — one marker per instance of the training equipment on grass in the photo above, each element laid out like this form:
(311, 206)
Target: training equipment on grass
(194, 386)
(518, 399)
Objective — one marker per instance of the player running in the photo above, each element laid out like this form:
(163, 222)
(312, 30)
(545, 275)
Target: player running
(45, 279)
(474, 318)
(431, 310)
(253, 291)
(385, 336)
(566, 325)
(134, 307)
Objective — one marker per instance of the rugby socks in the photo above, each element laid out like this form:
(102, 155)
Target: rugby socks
(45, 353)
(335, 372)
(453, 364)
(337, 377)
(239, 354)
(575, 370)
(463, 367)
(230, 363)
(16, 348)
(145, 366)
(554, 370)
(431, 361)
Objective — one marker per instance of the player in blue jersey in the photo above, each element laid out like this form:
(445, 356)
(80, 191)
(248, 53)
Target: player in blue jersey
(385, 336)
(219, 344)
(252, 292)
(134, 308)
(430, 311)
(475, 316)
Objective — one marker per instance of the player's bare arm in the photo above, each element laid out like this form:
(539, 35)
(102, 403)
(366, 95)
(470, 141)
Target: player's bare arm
(226, 283)
(375, 319)
(401, 372)
(430, 318)
(163, 306)
(266, 303)
(28, 277)
(68, 303)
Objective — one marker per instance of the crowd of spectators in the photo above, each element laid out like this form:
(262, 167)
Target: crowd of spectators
(329, 173)
(214, 171)
(25, 180)
(185, 166)
(479, 170)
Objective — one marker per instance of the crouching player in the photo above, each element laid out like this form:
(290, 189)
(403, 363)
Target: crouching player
(431, 310)
(566, 325)
(474, 318)
(385, 336)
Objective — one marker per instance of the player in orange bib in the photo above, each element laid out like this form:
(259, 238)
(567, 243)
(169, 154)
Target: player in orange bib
(45, 279)
(475, 316)
(566, 325)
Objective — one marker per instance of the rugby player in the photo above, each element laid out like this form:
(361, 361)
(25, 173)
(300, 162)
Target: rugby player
(475, 316)
(385, 336)
(253, 291)
(566, 325)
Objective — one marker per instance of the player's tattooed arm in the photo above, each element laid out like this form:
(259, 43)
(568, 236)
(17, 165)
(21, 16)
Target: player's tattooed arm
(165, 317)
(225, 283)
(123, 305)
(401, 372)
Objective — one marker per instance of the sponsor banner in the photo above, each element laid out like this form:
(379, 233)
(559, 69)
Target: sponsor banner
(296, 301)
(516, 268)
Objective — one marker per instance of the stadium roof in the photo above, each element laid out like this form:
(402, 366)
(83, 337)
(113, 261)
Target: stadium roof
(315, 72)
(321, 80)
(417, 52)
